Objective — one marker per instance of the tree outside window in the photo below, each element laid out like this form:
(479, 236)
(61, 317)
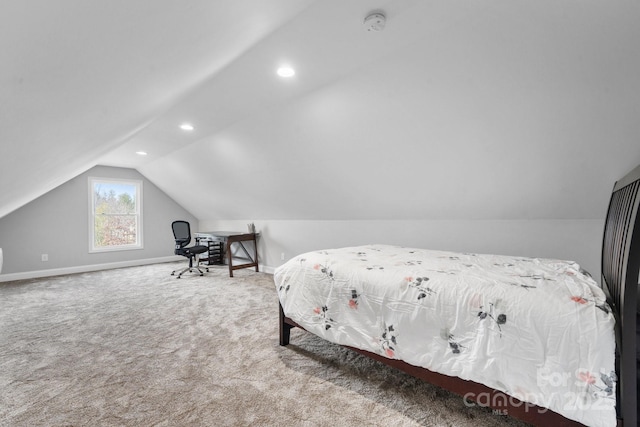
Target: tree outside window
(116, 220)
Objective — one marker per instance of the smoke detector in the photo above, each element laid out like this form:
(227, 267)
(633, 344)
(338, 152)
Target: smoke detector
(375, 21)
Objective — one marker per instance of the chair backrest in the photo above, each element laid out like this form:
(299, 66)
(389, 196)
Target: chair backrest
(181, 233)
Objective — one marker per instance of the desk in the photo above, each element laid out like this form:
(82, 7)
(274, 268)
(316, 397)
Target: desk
(230, 237)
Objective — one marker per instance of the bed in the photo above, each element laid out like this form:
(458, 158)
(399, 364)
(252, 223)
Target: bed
(537, 339)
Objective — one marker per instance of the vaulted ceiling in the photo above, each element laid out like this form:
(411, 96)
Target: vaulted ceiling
(504, 109)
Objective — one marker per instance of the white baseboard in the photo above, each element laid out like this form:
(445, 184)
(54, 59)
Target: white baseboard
(267, 269)
(85, 268)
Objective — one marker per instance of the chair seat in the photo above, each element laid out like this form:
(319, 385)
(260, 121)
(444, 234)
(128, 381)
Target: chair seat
(192, 250)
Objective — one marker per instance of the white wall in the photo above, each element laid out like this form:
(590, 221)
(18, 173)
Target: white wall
(576, 240)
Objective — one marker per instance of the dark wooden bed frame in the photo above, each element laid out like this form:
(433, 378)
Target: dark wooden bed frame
(620, 281)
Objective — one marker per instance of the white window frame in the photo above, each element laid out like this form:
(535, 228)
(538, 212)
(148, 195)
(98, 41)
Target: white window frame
(139, 234)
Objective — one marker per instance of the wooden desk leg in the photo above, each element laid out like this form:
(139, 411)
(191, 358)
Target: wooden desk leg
(255, 252)
(230, 258)
(250, 237)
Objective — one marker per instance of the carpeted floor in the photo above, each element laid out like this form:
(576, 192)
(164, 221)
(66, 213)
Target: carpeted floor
(137, 347)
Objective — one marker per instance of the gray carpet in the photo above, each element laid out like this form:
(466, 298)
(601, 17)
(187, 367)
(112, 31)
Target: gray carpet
(137, 347)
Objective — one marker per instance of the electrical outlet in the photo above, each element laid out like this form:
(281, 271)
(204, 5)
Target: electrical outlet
(282, 256)
(45, 257)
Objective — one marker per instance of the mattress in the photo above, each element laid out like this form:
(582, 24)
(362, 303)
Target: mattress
(539, 330)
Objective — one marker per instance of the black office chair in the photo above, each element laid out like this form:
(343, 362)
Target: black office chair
(182, 235)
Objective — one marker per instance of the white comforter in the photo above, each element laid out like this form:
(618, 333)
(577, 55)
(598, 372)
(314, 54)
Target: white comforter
(537, 329)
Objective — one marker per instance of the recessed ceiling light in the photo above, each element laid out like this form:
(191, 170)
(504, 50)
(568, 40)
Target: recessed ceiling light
(141, 153)
(286, 71)
(187, 126)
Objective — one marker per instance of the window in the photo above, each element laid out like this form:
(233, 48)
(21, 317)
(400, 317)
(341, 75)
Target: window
(115, 220)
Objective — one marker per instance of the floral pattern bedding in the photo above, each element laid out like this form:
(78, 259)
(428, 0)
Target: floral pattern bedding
(537, 329)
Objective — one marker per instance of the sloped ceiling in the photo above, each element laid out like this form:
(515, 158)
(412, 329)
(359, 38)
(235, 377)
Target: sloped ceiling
(457, 109)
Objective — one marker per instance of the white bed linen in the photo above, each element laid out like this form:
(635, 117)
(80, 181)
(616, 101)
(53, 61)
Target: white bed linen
(537, 329)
